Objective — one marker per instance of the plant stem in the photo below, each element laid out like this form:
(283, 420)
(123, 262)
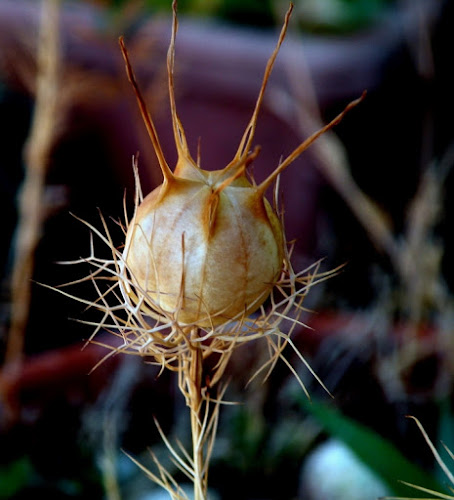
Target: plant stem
(195, 405)
(36, 156)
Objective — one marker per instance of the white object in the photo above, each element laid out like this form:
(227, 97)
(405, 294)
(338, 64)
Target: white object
(332, 471)
(163, 495)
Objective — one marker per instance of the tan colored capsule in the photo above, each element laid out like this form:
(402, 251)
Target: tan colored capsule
(206, 247)
(205, 250)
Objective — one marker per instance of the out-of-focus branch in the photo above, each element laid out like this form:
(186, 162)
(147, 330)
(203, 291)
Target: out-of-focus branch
(36, 158)
(414, 255)
(333, 163)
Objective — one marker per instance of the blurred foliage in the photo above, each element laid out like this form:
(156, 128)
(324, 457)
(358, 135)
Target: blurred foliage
(14, 476)
(262, 454)
(22, 479)
(337, 16)
(445, 434)
(377, 453)
(331, 16)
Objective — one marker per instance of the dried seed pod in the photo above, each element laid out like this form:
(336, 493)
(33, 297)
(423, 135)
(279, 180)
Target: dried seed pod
(205, 247)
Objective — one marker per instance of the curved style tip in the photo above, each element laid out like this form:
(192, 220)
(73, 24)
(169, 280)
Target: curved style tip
(166, 172)
(308, 142)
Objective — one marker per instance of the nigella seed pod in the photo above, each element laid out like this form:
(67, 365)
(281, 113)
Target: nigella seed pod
(205, 247)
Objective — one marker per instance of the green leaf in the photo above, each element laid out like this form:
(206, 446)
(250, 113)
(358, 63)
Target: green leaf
(377, 453)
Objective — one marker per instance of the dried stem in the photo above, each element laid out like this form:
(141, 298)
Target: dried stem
(37, 153)
(195, 401)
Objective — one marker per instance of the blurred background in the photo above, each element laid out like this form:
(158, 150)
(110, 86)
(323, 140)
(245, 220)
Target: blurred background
(373, 194)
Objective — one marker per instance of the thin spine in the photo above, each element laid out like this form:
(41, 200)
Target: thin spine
(434, 451)
(305, 144)
(178, 130)
(248, 136)
(151, 129)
